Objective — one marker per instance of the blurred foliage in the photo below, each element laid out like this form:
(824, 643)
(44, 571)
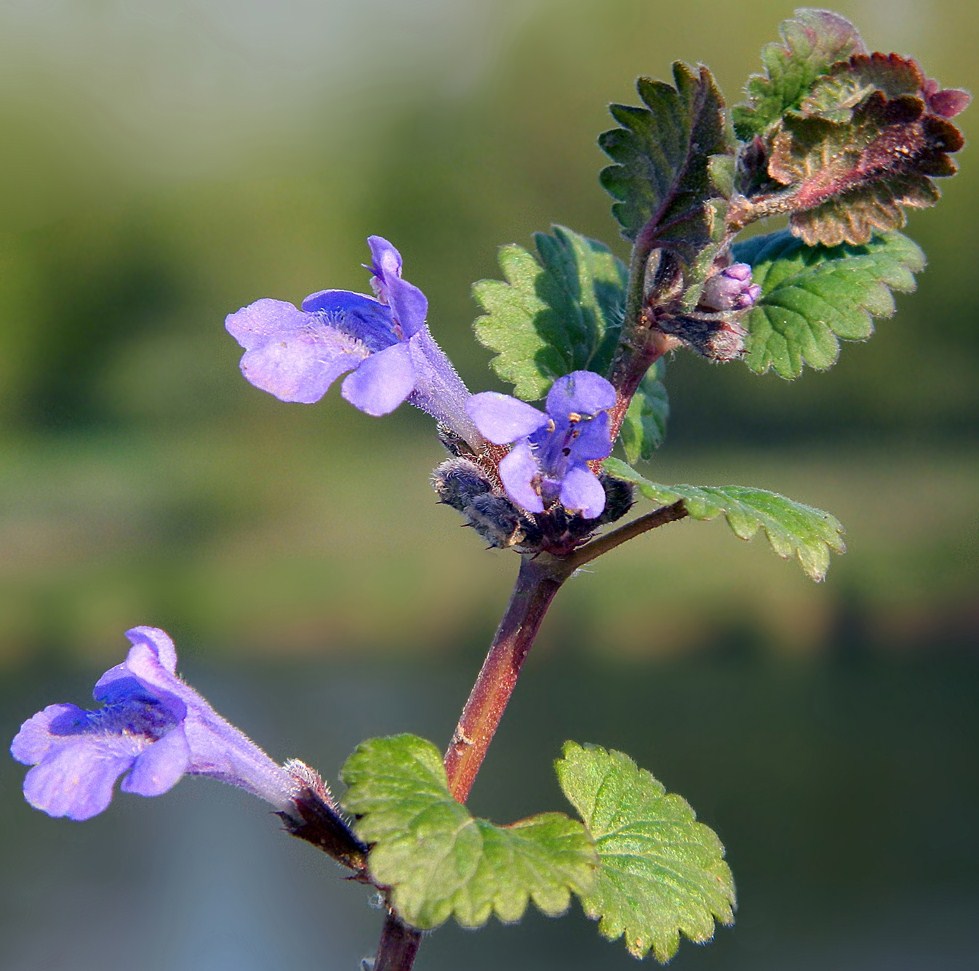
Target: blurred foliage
(166, 166)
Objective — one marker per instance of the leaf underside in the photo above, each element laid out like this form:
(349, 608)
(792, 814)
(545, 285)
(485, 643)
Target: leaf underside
(815, 296)
(661, 873)
(555, 313)
(793, 529)
(441, 862)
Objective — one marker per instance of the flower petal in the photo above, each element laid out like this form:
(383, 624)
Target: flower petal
(503, 419)
(292, 354)
(355, 314)
(382, 381)
(160, 766)
(593, 440)
(39, 733)
(76, 780)
(582, 492)
(159, 642)
(264, 320)
(408, 304)
(520, 473)
(580, 392)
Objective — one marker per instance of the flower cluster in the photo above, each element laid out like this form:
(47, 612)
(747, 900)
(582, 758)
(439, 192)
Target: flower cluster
(152, 729)
(381, 343)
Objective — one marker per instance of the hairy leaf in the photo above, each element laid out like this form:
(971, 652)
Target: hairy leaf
(850, 180)
(793, 529)
(666, 158)
(836, 95)
(812, 296)
(441, 862)
(644, 427)
(661, 872)
(555, 314)
(811, 43)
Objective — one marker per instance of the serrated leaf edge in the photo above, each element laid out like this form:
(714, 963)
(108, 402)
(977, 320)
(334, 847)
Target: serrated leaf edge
(814, 562)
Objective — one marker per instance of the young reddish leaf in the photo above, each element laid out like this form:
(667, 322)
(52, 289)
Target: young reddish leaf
(850, 180)
(835, 96)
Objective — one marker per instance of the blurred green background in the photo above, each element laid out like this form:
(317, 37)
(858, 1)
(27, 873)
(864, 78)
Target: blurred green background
(164, 164)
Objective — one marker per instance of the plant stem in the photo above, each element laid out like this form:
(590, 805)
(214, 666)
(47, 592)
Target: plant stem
(538, 581)
(658, 517)
(398, 945)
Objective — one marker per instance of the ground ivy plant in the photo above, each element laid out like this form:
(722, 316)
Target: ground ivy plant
(833, 138)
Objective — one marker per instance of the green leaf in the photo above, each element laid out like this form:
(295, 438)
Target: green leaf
(438, 860)
(811, 44)
(850, 180)
(644, 427)
(813, 296)
(660, 871)
(553, 315)
(666, 167)
(793, 529)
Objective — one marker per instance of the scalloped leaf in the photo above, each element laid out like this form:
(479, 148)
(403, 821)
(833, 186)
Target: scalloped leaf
(811, 43)
(441, 862)
(849, 83)
(661, 873)
(850, 180)
(644, 426)
(814, 296)
(666, 167)
(555, 314)
(793, 529)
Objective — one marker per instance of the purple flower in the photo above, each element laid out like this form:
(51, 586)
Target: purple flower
(730, 289)
(382, 341)
(152, 728)
(550, 454)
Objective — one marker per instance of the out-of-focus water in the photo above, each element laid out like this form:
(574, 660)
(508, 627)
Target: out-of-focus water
(845, 793)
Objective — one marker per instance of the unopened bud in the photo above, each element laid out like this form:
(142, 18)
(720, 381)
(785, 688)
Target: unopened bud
(459, 481)
(463, 485)
(619, 497)
(730, 289)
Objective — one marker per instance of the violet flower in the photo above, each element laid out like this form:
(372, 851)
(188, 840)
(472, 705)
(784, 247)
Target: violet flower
(382, 341)
(152, 728)
(550, 454)
(730, 289)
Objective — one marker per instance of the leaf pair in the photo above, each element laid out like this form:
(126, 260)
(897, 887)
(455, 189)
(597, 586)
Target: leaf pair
(638, 860)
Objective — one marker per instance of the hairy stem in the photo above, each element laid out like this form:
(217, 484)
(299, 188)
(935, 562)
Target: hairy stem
(538, 581)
